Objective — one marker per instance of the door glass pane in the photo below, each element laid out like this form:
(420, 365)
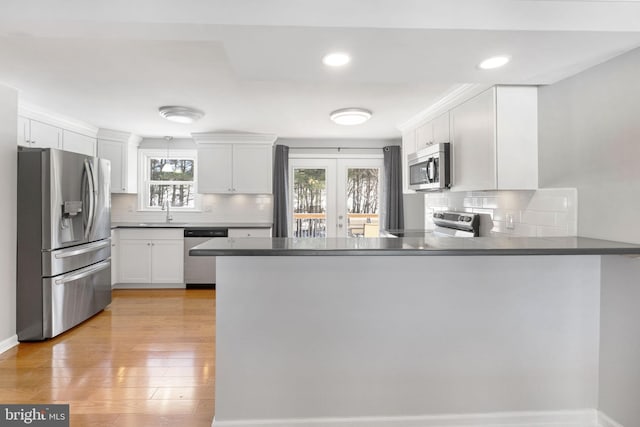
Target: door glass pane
(363, 202)
(309, 202)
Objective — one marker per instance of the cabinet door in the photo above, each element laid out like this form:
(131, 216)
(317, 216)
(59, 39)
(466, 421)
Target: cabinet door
(167, 261)
(474, 144)
(78, 143)
(409, 142)
(215, 168)
(252, 166)
(134, 261)
(424, 136)
(43, 135)
(114, 151)
(441, 129)
(115, 261)
(23, 131)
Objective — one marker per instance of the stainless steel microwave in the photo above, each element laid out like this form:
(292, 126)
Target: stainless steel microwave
(430, 168)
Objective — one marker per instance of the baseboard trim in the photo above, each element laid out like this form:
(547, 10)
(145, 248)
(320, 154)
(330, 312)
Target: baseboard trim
(577, 418)
(8, 343)
(605, 421)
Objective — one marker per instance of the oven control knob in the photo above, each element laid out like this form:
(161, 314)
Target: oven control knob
(467, 219)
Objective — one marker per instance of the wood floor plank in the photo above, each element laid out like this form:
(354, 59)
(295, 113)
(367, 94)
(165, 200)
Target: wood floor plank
(146, 360)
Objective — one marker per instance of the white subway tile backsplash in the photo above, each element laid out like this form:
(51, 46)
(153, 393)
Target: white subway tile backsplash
(472, 202)
(550, 211)
(538, 218)
(240, 208)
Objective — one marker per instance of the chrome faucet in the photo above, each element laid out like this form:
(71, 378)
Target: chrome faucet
(167, 204)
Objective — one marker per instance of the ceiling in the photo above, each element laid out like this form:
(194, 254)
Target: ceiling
(255, 65)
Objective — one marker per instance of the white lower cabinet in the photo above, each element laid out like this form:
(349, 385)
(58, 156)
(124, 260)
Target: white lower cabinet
(151, 258)
(115, 246)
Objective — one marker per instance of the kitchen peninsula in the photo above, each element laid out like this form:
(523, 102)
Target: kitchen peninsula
(398, 332)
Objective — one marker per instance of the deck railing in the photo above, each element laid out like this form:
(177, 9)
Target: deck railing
(315, 224)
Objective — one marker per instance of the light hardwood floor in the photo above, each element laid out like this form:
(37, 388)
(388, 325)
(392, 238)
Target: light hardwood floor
(146, 360)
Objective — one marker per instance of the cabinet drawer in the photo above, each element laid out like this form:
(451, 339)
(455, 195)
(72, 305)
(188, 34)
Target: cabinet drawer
(151, 233)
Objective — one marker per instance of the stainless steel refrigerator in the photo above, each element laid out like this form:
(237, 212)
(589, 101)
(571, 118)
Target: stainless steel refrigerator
(64, 241)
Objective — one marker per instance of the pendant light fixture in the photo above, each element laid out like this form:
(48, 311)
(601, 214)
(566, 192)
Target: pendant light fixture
(167, 167)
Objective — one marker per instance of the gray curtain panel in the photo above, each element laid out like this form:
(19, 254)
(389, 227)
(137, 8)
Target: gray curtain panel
(281, 192)
(393, 209)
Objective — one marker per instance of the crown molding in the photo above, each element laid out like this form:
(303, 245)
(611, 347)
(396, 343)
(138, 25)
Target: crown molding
(218, 137)
(40, 114)
(118, 135)
(452, 98)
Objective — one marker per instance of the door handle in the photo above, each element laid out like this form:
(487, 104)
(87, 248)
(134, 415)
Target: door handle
(92, 200)
(88, 248)
(85, 272)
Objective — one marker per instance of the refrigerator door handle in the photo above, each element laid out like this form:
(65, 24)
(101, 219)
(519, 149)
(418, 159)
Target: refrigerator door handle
(92, 198)
(86, 249)
(85, 272)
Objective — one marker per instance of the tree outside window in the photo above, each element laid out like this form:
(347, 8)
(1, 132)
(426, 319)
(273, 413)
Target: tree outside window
(170, 178)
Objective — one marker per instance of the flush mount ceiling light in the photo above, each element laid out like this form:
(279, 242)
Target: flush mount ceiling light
(494, 62)
(180, 114)
(350, 116)
(336, 59)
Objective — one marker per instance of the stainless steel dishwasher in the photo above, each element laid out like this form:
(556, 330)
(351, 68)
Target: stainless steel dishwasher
(200, 271)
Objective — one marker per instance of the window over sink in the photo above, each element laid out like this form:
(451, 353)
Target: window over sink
(168, 177)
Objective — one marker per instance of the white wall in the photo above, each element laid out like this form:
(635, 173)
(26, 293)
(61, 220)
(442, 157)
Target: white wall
(589, 138)
(8, 177)
(620, 339)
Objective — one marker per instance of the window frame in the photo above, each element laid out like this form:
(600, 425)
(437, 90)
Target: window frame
(144, 177)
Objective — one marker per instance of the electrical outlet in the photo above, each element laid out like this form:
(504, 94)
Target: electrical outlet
(207, 208)
(510, 222)
(129, 208)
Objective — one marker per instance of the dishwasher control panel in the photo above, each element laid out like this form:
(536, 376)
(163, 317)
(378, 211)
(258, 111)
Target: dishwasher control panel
(206, 232)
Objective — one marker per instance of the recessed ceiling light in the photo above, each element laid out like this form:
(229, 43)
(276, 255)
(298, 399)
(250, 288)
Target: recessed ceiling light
(336, 59)
(350, 116)
(495, 62)
(180, 114)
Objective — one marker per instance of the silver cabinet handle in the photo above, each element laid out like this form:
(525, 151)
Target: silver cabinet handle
(87, 248)
(85, 272)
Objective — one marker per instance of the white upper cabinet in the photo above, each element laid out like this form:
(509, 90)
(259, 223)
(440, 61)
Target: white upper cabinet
(215, 168)
(44, 129)
(234, 163)
(121, 149)
(78, 143)
(495, 140)
(434, 131)
(441, 129)
(33, 133)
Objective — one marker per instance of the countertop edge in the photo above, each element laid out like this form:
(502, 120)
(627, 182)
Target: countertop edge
(414, 252)
(122, 225)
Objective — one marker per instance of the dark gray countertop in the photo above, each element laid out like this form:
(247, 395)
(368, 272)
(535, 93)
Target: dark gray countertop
(192, 224)
(427, 245)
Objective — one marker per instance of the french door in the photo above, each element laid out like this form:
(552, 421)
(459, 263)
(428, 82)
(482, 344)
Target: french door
(335, 197)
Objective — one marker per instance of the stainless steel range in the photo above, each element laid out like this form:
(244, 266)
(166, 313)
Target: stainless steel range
(456, 224)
